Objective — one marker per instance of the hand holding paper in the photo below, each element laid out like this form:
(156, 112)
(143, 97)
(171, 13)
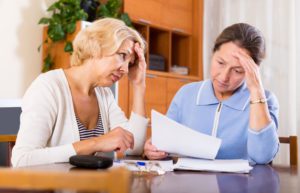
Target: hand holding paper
(172, 137)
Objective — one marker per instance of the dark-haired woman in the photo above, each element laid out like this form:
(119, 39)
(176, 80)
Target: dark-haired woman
(232, 105)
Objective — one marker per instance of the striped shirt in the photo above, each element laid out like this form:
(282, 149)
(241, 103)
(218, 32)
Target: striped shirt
(85, 133)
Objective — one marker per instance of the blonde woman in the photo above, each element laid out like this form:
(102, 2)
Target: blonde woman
(71, 111)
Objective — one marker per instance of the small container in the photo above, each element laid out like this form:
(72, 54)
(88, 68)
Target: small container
(142, 166)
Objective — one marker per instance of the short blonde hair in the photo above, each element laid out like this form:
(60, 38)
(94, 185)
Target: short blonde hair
(104, 37)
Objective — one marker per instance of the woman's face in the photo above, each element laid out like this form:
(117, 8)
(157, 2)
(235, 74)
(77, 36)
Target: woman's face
(226, 72)
(111, 68)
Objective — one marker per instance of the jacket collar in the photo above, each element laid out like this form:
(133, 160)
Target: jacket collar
(238, 100)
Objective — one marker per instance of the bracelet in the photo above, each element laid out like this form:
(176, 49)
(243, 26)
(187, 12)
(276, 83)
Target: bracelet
(262, 100)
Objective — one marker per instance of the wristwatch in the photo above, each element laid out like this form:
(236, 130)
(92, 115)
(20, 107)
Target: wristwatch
(262, 100)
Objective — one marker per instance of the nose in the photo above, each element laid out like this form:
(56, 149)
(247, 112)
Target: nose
(225, 74)
(124, 68)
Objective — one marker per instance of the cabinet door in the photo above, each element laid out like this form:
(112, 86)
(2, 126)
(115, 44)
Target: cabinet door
(123, 95)
(178, 15)
(148, 11)
(173, 85)
(156, 96)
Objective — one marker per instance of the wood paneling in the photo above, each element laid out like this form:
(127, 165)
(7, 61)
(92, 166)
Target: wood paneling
(173, 85)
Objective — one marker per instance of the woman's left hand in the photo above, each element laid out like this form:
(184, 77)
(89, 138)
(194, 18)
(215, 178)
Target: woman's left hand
(252, 75)
(137, 73)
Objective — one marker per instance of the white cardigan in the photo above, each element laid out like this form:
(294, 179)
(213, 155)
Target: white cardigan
(48, 125)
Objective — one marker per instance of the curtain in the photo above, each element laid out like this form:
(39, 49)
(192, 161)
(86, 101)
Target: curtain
(279, 21)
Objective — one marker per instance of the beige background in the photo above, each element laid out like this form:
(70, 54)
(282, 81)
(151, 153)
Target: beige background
(20, 37)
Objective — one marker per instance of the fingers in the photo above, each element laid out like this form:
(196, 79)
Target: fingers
(156, 155)
(125, 139)
(149, 147)
(117, 139)
(138, 50)
(246, 61)
(128, 138)
(152, 152)
(140, 53)
(252, 74)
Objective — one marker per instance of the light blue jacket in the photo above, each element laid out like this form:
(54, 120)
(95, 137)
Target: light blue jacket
(196, 106)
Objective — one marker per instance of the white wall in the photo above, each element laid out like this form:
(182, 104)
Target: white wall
(20, 36)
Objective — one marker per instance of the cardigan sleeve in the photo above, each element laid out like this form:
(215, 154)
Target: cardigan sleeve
(263, 145)
(38, 117)
(137, 124)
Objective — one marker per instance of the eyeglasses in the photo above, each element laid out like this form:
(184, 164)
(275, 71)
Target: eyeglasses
(145, 166)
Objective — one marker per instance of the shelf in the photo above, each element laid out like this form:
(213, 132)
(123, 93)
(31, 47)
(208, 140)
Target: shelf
(174, 46)
(181, 50)
(159, 44)
(172, 75)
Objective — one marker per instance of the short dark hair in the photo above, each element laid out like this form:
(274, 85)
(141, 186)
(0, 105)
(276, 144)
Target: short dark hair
(244, 36)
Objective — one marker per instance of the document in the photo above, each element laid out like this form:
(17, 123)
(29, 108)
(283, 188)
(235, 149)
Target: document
(228, 165)
(172, 137)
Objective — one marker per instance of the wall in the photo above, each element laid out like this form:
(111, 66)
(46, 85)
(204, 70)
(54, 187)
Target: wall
(20, 36)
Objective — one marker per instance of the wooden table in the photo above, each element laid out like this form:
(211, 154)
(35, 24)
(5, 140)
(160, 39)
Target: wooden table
(263, 178)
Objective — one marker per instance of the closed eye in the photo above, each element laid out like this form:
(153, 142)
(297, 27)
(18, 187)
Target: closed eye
(221, 63)
(239, 71)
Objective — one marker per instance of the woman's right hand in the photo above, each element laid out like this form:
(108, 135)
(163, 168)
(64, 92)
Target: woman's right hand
(118, 139)
(152, 152)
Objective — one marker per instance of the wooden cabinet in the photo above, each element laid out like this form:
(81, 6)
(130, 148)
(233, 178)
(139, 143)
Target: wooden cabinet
(173, 85)
(156, 96)
(173, 14)
(172, 29)
(177, 15)
(145, 11)
(176, 48)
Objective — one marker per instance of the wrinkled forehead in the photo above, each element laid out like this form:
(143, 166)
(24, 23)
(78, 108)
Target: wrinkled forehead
(226, 54)
(127, 46)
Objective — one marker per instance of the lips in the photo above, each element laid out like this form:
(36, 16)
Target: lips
(221, 84)
(115, 77)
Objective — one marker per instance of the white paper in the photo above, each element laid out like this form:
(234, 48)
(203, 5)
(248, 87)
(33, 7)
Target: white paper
(228, 165)
(172, 137)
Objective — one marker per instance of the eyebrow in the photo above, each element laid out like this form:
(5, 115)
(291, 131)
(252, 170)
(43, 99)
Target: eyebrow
(127, 51)
(237, 67)
(219, 58)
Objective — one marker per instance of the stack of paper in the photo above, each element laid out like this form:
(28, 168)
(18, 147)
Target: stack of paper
(229, 165)
(172, 137)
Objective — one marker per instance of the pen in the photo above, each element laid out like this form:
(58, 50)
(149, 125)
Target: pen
(139, 163)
